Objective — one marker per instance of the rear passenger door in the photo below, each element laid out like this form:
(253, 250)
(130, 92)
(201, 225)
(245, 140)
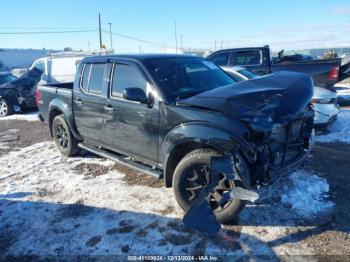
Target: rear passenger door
(89, 101)
(132, 128)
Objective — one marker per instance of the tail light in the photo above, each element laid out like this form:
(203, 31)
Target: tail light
(37, 97)
(334, 74)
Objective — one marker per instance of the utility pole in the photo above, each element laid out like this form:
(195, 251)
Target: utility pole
(110, 33)
(100, 30)
(175, 38)
(222, 44)
(182, 49)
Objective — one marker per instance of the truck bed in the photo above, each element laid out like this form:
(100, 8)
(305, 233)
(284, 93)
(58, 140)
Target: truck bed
(51, 92)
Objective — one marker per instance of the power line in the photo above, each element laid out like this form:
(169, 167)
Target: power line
(135, 39)
(82, 31)
(46, 32)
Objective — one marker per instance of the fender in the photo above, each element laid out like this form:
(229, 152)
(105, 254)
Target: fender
(58, 105)
(10, 94)
(193, 135)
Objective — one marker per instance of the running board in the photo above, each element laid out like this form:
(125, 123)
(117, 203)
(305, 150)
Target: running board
(123, 160)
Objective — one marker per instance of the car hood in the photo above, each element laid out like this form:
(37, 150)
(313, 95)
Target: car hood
(262, 102)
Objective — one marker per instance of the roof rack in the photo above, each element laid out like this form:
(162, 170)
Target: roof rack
(81, 53)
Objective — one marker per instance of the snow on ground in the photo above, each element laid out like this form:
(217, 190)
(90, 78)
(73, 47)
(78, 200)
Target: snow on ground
(33, 116)
(306, 194)
(340, 129)
(51, 205)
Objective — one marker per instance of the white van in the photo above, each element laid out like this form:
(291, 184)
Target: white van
(60, 69)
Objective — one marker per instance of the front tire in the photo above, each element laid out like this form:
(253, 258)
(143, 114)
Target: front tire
(192, 174)
(66, 143)
(6, 108)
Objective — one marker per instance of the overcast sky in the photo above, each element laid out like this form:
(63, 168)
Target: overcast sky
(280, 23)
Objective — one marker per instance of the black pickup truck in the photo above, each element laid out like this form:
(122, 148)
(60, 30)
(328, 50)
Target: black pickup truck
(168, 115)
(325, 72)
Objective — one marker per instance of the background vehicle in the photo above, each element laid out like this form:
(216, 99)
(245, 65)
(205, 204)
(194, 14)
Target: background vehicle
(325, 72)
(19, 94)
(325, 106)
(167, 115)
(6, 77)
(239, 73)
(323, 100)
(58, 68)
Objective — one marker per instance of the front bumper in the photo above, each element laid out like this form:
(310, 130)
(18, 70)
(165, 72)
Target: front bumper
(325, 114)
(27, 102)
(283, 150)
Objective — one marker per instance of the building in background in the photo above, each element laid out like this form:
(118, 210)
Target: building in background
(20, 58)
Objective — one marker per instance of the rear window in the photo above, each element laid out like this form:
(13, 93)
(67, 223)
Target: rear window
(246, 58)
(220, 58)
(93, 78)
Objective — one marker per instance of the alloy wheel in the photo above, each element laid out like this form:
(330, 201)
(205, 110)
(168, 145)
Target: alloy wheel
(61, 136)
(3, 108)
(198, 179)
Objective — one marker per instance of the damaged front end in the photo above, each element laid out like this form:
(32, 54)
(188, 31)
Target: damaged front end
(280, 150)
(279, 117)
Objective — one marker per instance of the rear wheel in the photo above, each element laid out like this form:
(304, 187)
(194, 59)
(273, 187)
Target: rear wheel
(192, 175)
(63, 137)
(6, 108)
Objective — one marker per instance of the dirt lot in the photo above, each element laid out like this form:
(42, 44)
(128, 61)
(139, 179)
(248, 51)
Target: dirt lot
(51, 205)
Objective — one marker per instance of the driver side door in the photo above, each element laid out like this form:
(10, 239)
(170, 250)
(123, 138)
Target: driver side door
(131, 127)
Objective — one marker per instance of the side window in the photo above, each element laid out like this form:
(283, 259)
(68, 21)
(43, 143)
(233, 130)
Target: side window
(93, 78)
(220, 58)
(86, 76)
(246, 58)
(40, 65)
(125, 76)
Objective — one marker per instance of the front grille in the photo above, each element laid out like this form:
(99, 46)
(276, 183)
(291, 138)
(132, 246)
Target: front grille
(289, 142)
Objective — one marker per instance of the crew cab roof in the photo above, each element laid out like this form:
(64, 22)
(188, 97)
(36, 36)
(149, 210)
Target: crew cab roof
(141, 58)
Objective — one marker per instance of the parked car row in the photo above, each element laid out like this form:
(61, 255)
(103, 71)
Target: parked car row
(169, 115)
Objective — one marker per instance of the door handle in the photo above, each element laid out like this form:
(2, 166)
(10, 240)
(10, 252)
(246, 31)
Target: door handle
(108, 108)
(78, 101)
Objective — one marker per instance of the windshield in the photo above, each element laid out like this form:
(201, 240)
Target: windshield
(6, 78)
(247, 73)
(184, 77)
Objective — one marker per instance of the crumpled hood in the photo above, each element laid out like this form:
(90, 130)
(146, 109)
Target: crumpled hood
(261, 102)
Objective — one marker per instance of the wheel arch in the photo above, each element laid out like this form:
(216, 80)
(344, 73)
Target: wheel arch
(59, 107)
(188, 137)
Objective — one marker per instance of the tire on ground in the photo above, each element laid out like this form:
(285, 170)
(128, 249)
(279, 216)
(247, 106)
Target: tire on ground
(72, 148)
(200, 157)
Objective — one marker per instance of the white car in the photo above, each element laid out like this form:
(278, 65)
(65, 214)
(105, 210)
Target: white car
(325, 106)
(324, 101)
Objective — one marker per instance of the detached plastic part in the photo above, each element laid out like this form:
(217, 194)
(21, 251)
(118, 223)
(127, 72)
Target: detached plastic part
(244, 194)
(200, 216)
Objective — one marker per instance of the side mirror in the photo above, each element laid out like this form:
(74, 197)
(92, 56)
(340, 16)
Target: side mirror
(135, 94)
